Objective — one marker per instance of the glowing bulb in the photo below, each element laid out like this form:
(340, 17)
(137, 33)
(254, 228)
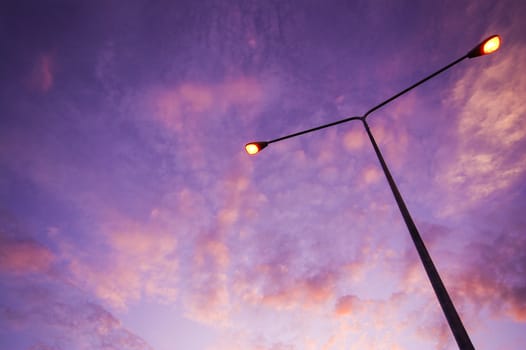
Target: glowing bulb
(252, 148)
(255, 147)
(491, 45)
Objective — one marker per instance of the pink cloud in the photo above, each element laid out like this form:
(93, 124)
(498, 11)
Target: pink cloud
(305, 293)
(42, 77)
(108, 273)
(211, 252)
(244, 91)
(276, 286)
(24, 256)
(490, 130)
(372, 174)
(195, 111)
(355, 139)
(219, 249)
(196, 98)
(189, 104)
(392, 138)
(56, 316)
(208, 296)
(491, 277)
(346, 305)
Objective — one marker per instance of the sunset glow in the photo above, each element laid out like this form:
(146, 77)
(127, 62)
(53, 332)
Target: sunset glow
(132, 217)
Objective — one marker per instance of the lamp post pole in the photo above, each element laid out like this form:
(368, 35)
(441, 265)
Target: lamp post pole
(453, 319)
(489, 45)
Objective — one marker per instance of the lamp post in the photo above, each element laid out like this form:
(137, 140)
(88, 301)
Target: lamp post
(489, 45)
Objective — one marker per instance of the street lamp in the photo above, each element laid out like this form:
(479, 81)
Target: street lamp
(489, 45)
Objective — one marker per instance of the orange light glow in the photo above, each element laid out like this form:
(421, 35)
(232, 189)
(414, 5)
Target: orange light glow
(252, 148)
(491, 45)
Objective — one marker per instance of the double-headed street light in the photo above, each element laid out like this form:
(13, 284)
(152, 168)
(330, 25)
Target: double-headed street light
(487, 46)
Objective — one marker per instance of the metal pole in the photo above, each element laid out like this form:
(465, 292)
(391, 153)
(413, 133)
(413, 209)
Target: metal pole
(455, 323)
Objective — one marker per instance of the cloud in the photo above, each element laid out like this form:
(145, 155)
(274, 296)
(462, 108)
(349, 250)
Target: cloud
(346, 305)
(40, 304)
(270, 277)
(55, 316)
(42, 75)
(208, 297)
(283, 292)
(201, 121)
(355, 139)
(188, 106)
(24, 256)
(492, 277)
(490, 130)
(137, 261)
(372, 174)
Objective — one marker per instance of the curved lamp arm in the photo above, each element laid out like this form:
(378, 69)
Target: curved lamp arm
(485, 47)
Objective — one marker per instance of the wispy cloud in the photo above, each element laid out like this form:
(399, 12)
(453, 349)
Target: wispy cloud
(134, 262)
(43, 307)
(490, 129)
(24, 256)
(42, 75)
(497, 287)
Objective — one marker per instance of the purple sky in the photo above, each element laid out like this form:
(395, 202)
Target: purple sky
(132, 218)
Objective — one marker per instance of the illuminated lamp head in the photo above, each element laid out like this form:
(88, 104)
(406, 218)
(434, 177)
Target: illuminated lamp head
(255, 147)
(489, 45)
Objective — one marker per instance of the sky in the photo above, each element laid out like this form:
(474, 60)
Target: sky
(131, 216)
